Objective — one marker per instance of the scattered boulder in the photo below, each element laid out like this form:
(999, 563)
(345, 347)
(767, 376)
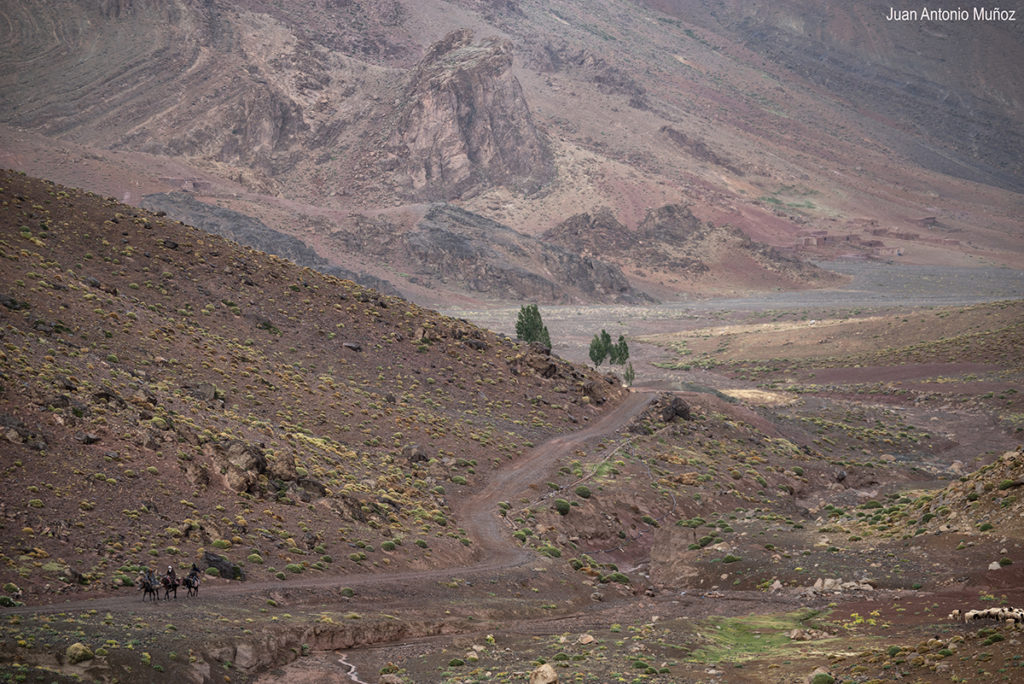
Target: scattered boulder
(225, 567)
(245, 656)
(415, 453)
(307, 489)
(12, 303)
(672, 408)
(246, 456)
(78, 653)
(282, 467)
(197, 474)
(545, 674)
(808, 634)
(594, 391)
(820, 676)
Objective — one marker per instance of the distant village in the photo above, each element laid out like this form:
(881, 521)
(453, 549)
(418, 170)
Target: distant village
(870, 244)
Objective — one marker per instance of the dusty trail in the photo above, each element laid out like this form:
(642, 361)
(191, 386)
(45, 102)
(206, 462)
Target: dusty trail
(495, 552)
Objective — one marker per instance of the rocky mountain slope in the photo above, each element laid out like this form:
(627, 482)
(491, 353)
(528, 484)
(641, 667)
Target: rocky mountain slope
(671, 244)
(350, 470)
(166, 391)
(805, 127)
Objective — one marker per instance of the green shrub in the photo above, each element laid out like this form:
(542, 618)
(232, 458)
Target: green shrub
(213, 572)
(583, 492)
(729, 558)
(388, 546)
(562, 506)
(255, 558)
(295, 568)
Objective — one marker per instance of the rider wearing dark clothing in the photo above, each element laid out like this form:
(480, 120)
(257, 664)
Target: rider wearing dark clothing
(171, 576)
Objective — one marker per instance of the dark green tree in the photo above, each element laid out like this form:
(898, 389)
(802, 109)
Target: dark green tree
(530, 327)
(598, 351)
(618, 352)
(601, 348)
(629, 375)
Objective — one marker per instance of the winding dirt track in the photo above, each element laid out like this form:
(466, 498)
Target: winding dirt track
(495, 551)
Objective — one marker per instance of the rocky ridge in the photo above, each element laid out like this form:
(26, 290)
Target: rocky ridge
(671, 241)
(465, 125)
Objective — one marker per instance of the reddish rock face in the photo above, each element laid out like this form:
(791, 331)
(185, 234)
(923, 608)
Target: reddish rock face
(466, 124)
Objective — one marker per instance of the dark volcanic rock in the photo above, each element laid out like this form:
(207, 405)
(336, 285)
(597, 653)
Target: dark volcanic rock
(254, 233)
(485, 256)
(225, 568)
(465, 124)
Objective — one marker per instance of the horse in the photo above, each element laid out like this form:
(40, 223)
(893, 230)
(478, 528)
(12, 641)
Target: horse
(170, 586)
(148, 588)
(191, 584)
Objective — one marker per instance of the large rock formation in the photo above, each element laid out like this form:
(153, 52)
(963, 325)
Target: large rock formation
(670, 242)
(465, 124)
(452, 246)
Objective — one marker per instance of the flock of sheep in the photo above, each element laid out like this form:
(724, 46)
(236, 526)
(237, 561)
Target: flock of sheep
(1010, 615)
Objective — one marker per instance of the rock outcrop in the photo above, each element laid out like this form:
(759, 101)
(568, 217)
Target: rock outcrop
(450, 246)
(465, 124)
(488, 257)
(671, 242)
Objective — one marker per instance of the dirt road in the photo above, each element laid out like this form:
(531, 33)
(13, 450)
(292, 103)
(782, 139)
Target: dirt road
(495, 550)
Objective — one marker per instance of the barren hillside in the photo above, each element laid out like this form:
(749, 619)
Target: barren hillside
(820, 131)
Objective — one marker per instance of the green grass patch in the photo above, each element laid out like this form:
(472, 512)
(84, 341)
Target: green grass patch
(740, 639)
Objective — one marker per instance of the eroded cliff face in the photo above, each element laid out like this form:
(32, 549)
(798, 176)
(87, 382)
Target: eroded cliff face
(451, 247)
(465, 124)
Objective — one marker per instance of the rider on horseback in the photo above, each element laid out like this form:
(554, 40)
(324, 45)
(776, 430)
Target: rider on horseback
(191, 581)
(171, 576)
